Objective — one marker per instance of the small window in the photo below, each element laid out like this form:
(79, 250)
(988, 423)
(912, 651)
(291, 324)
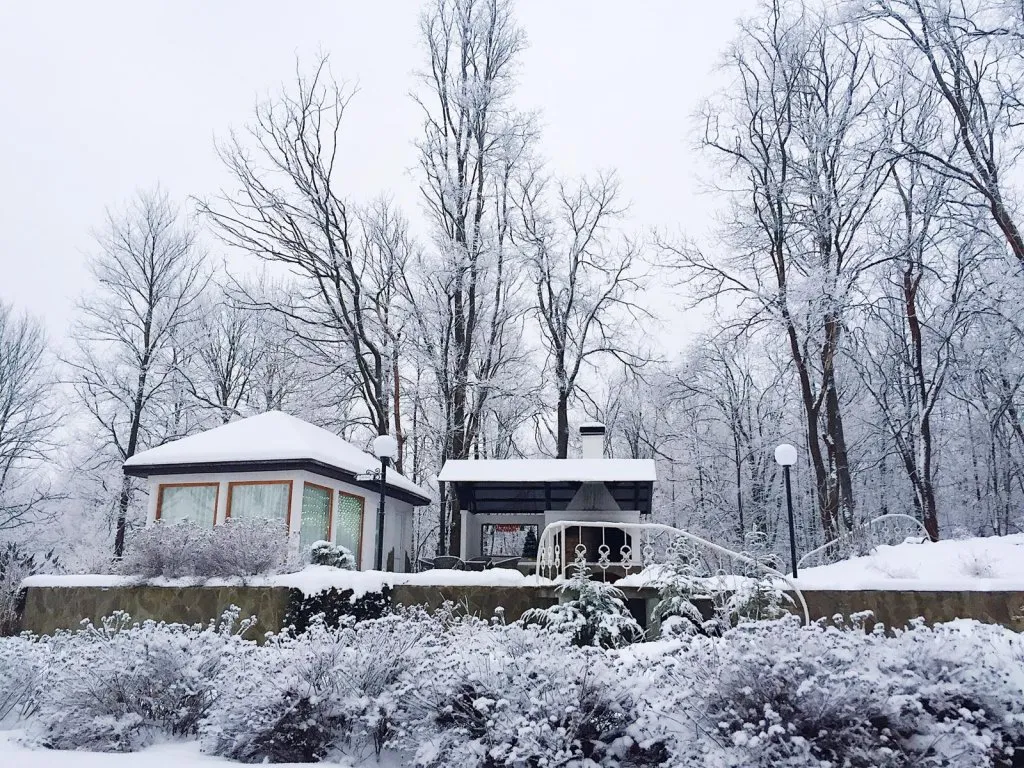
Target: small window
(508, 540)
(349, 524)
(260, 501)
(187, 502)
(316, 515)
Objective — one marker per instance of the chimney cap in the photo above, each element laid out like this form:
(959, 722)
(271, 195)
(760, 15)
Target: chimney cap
(592, 428)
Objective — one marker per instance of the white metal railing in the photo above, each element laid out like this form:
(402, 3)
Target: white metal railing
(552, 556)
(857, 533)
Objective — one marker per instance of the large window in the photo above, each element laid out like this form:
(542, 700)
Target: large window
(349, 523)
(261, 500)
(187, 502)
(316, 515)
(508, 540)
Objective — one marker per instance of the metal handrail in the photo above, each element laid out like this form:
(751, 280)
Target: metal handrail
(867, 525)
(546, 544)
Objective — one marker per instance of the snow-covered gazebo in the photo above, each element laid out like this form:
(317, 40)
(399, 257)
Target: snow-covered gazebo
(507, 503)
(277, 467)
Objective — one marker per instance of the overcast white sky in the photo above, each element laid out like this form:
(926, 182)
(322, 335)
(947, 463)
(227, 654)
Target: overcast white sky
(98, 99)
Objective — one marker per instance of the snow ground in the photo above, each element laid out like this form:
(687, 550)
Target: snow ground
(175, 755)
(988, 564)
(311, 579)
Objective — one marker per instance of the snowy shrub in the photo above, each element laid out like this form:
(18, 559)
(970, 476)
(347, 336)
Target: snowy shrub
(245, 548)
(21, 668)
(234, 548)
(519, 695)
(325, 692)
(165, 550)
(756, 600)
(594, 614)
(778, 694)
(117, 686)
(676, 613)
(978, 565)
(334, 607)
(15, 565)
(333, 555)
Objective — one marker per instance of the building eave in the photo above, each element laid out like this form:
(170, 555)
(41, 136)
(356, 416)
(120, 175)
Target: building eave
(275, 465)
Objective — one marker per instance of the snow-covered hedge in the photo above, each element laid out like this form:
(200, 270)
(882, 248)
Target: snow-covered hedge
(235, 548)
(438, 690)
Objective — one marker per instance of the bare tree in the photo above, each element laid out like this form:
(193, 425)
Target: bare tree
(226, 356)
(28, 419)
(288, 208)
(965, 55)
(808, 156)
(148, 279)
(474, 144)
(587, 285)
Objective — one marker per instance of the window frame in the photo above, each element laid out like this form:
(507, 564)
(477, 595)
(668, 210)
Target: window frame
(288, 511)
(160, 496)
(330, 507)
(362, 525)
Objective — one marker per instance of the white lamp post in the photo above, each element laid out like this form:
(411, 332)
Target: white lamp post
(385, 447)
(785, 456)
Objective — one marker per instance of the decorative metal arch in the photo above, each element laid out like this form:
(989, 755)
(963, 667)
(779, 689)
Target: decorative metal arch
(551, 554)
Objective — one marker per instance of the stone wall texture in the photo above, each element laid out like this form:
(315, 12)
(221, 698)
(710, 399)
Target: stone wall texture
(48, 609)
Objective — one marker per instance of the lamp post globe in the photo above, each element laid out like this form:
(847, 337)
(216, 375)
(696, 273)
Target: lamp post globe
(385, 448)
(785, 456)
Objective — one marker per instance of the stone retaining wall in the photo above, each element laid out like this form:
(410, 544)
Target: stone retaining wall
(48, 609)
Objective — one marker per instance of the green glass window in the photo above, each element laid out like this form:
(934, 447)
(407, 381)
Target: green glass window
(316, 515)
(259, 501)
(348, 523)
(192, 503)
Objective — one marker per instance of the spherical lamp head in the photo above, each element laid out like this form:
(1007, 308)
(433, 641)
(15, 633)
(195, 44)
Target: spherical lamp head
(785, 455)
(385, 447)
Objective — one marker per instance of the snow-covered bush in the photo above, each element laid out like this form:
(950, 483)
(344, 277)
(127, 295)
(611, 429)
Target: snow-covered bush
(17, 564)
(778, 694)
(595, 612)
(676, 613)
(245, 548)
(333, 555)
(21, 668)
(521, 695)
(234, 548)
(116, 687)
(166, 550)
(325, 692)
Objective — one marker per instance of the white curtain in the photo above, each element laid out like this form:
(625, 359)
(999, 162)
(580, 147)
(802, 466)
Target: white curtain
(262, 501)
(191, 503)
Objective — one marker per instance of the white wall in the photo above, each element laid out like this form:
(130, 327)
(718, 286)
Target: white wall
(397, 514)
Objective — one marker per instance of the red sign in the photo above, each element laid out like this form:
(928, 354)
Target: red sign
(508, 528)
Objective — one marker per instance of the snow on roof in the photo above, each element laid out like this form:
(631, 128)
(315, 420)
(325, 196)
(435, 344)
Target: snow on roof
(271, 436)
(548, 471)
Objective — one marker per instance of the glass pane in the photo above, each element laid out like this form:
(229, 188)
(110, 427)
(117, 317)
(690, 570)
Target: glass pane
(316, 516)
(265, 501)
(508, 540)
(348, 523)
(194, 503)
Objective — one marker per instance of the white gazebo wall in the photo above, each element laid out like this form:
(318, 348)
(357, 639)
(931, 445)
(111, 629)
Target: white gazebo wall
(397, 514)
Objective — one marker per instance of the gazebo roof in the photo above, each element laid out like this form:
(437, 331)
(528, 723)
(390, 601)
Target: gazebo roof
(272, 441)
(541, 485)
